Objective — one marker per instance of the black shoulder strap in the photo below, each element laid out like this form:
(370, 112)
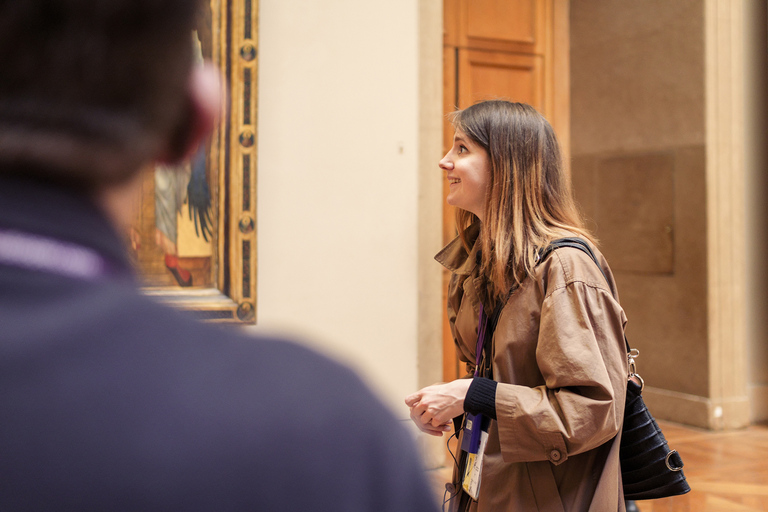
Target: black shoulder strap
(576, 243)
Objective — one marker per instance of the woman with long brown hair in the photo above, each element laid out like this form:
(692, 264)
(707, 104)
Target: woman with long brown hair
(541, 332)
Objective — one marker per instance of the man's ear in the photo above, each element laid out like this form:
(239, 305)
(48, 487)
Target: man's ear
(203, 107)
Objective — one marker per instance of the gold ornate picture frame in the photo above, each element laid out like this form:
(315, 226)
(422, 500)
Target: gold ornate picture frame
(207, 264)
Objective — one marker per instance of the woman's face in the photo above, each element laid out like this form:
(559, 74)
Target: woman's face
(468, 170)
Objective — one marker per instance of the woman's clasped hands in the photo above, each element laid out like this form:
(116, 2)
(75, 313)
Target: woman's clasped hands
(433, 407)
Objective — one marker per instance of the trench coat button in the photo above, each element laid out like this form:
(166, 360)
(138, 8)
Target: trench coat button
(555, 455)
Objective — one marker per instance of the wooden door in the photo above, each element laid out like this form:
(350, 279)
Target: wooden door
(503, 49)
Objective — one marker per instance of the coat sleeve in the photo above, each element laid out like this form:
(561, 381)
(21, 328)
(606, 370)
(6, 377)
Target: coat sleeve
(581, 356)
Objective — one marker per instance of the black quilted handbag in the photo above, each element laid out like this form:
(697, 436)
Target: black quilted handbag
(649, 469)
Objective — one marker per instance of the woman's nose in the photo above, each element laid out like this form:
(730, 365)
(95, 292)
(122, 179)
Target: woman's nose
(445, 163)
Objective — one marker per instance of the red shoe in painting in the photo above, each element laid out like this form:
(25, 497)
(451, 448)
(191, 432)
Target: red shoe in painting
(182, 275)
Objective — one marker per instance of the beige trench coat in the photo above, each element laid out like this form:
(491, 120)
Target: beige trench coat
(560, 359)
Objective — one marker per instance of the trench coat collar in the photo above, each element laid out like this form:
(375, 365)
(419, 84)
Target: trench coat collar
(455, 257)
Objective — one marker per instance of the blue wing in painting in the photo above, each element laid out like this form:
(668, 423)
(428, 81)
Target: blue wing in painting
(199, 196)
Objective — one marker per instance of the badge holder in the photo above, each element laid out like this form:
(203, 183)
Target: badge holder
(475, 427)
(473, 442)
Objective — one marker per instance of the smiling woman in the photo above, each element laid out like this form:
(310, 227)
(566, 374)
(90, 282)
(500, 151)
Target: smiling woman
(542, 337)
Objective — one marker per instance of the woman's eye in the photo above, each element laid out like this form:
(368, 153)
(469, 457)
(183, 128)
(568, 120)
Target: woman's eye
(462, 149)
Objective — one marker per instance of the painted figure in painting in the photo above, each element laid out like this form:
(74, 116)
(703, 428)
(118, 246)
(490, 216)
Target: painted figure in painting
(174, 186)
(172, 243)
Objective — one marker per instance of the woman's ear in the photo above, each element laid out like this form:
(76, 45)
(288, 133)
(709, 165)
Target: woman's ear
(203, 107)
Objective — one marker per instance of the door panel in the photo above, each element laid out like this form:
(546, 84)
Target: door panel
(497, 75)
(503, 21)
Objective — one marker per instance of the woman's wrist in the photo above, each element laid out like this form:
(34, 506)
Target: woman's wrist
(481, 397)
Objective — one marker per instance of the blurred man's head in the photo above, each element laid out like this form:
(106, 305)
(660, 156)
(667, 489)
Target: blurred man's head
(90, 90)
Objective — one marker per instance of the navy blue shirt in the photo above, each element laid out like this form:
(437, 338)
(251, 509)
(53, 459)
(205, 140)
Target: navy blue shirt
(111, 401)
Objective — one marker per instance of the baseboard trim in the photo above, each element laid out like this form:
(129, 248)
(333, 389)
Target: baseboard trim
(698, 411)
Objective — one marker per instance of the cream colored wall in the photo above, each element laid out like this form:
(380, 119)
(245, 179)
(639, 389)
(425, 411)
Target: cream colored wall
(345, 209)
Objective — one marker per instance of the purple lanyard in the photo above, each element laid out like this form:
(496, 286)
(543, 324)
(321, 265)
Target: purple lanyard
(54, 256)
(481, 329)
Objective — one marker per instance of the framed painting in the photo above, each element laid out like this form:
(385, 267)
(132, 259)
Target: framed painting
(194, 240)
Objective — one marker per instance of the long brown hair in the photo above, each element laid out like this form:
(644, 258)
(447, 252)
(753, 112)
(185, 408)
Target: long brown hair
(528, 202)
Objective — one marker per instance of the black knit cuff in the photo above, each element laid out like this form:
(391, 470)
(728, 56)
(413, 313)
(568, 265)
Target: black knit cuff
(481, 397)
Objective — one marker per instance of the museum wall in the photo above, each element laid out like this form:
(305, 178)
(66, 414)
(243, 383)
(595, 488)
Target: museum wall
(638, 139)
(348, 203)
(756, 108)
(668, 131)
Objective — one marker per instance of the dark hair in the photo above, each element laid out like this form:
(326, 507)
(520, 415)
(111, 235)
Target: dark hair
(91, 89)
(529, 201)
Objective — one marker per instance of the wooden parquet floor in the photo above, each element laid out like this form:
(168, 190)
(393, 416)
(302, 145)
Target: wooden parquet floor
(727, 471)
